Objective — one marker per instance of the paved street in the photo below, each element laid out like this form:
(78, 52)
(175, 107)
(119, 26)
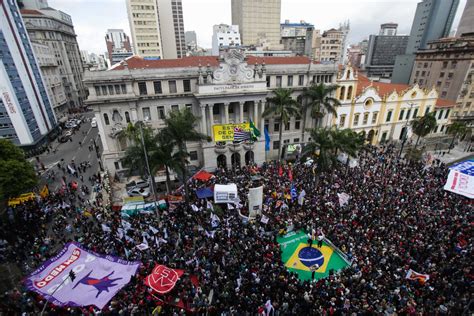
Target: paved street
(71, 151)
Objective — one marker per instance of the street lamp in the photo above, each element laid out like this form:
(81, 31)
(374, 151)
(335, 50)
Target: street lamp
(152, 182)
(405, 130)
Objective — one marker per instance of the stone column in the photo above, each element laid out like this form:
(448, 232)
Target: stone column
(255, 112)
(203, 119)
(211, 118)
(241, 111)
(226, 112)
(262, 118)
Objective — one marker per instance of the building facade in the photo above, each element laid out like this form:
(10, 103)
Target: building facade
(52, 79)
(191, 40)
(384, 111)
(444, 64)
(433, 20)
(118, 45)
(26, 114)
(297, 37)
(258, 21)
(224, 36)
(382, 51)
(230, 89)
(466, 24)
(54, 28)
(332, 43)
(157, 28)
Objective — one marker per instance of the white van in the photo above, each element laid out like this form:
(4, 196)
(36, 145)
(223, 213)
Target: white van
(94, 122)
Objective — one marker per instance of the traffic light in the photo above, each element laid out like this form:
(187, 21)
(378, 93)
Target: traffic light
(72, 275)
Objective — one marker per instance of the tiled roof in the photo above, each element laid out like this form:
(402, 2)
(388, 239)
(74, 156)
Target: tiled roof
(33, 12)
(383, 88)
(444, 103)
(136, 62)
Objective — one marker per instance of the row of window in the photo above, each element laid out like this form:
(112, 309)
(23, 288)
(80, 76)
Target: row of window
(110, 89)
(116, 117)
(290, 81)
(157, 87)
(276, 143)
(276, 126)
(342, 119)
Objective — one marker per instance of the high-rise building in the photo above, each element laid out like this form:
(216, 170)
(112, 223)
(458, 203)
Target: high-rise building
(332, 43)
(433, 20)
(295, 37)
(191, 40)
(258, 21)
(224, 36)
(54, 28)
(466, 25)
(382, 50)
(157, 28)
(26, 114)
(118, 45)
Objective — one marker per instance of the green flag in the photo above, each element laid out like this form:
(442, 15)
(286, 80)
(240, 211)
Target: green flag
(254, 131)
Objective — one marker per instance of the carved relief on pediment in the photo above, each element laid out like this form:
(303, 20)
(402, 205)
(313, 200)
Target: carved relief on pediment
(233, 69)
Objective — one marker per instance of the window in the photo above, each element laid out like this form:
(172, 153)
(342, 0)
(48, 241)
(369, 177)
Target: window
(278, 81)
(442, 128)
(142, 88)
(111, 90)
(297, 124)
(415, 112)
(400, 116)
(342, 120)
(116, 165)
(189, 107)
(374, 117)
(427, 110)
(441, 74)
(440, 114)
(124, 88)
(290, 81)
(175, 108)
(161, 112)
(127, 117)
(216, 110)
(445, 64)
(276, 145)
(356, 119)
(104, 90)
(146, 113)
(408, 114)
(447, 114)
(276, 127)
(268, 81)
(172, 85)
(443, 94)
(117, 89)
(97, 91)
(286, 141)
(187, 85)
(438, 83)
(342, 93)
(193, 155)
(389, 116)
(366, 118)
(157, 87)
(301, 80)
(296, 140)
(106, 119)
(287, 126)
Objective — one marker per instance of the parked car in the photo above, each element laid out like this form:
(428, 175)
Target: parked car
(94, 122)
(139, 192)
(137, 184)
(68, 133)
(64, 138)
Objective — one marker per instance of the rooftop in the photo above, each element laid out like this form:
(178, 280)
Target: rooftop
(444, 103)
(32, 12)
(382, 87)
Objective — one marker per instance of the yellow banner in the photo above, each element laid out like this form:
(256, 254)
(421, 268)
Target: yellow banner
(44, 192)
(225, 132)
(22, 198)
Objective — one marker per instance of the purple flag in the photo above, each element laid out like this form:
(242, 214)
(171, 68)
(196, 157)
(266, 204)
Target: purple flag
(98, 278)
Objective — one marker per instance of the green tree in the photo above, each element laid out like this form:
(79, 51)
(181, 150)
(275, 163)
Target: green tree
(318, 98)
(180, 128)
(17, 175)
(456, 129)
(424, 125)
(282, 106)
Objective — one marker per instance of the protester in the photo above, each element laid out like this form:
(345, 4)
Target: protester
(398, 217)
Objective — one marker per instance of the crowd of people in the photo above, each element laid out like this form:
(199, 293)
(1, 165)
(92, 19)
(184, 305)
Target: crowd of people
(398, 217)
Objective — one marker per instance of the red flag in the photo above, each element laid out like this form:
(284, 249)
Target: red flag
(290, 174)
(163, 279)
(280, 171)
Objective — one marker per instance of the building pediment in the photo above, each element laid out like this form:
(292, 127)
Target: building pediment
(233, 69)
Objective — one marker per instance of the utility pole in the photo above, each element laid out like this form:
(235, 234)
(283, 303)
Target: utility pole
(405, 131)
(152, 182)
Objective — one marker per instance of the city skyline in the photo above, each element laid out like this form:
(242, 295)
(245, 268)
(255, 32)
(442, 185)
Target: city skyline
(90, 25)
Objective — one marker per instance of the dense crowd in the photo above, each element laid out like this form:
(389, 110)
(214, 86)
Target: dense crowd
(398, 218)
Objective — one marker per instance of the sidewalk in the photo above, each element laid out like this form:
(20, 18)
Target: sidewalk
(458, 153)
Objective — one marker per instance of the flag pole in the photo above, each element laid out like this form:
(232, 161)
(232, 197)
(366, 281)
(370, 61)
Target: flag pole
(60, 285)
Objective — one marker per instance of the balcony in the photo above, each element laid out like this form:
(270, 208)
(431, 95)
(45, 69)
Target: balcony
(234, 147)
(220, 148)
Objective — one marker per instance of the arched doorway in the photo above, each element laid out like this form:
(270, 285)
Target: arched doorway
(249, 157)
(221, 161)
(370, 136)
(235, 160)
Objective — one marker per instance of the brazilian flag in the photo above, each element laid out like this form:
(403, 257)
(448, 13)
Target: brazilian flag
(302, 259)
(254, 132)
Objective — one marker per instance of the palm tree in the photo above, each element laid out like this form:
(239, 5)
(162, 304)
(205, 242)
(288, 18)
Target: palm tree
(319, 99)
(163, 156)
(179, 130)
(347, 141)
(322, 147)
(456, 129)
(422, 126)
(283, 106)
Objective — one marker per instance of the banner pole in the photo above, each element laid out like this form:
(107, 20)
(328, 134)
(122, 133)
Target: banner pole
(46, 303)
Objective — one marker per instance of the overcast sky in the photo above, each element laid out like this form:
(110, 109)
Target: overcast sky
(92, 18)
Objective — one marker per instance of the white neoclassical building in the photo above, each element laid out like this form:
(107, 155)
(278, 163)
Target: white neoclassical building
(219, 90)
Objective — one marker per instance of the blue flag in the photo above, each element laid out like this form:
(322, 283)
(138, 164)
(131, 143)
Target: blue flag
(293, 192)
(267, 139)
